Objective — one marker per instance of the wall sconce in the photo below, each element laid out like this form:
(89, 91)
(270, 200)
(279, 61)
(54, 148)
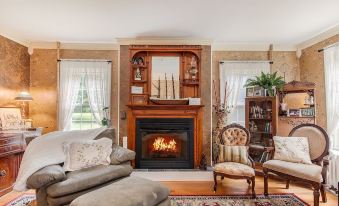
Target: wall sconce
(23, 97)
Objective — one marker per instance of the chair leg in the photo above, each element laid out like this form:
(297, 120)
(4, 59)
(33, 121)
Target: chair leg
(253, 187)
(215, 181)
(316, 195)
(265, 181)
(248, 181)
(323, 193)
(288, 184)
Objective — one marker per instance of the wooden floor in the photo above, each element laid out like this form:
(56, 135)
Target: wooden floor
(226, 187)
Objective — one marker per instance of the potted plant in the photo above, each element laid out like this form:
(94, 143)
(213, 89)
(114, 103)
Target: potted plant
(270, 82)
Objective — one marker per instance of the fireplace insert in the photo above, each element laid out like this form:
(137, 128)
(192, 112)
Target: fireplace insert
(164, 143)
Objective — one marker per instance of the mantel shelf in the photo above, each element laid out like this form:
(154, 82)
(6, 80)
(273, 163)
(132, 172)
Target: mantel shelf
(165, 107)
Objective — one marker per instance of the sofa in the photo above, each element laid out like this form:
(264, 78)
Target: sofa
(56, 187)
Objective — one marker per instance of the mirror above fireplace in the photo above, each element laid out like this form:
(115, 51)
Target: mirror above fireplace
(165, 77)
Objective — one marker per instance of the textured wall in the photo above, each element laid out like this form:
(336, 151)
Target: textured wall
(312, 70)
(14, 71)
(124, 88)
(44, 83)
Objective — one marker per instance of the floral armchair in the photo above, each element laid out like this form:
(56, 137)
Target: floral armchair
(232, 160)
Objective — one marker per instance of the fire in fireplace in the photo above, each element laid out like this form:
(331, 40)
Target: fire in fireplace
(164, 143)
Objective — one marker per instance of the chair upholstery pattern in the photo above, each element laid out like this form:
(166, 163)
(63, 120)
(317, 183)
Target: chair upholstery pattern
(234, 136)
(234, 168)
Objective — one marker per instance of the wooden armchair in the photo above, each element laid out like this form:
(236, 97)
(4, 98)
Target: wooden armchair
(313, 174)
(234, 135)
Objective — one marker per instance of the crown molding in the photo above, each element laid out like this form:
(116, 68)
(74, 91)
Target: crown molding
(15, 39)
(163, 41)
(220, 46)
(75, 46)
(320, 37)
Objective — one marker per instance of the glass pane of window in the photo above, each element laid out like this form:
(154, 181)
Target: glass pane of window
(82, 117)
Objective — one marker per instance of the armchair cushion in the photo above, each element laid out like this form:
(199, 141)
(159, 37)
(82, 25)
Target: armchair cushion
(234, 168)
(46, 176)
(292, 149)
(304, 171)
(237, 154)
(120, 155)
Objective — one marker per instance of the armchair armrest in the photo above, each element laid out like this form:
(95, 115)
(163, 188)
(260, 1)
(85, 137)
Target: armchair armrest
(326, 162)
(46, 176)
(120, 155)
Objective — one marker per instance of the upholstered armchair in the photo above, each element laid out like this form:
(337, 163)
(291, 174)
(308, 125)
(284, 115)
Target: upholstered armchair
(313, 174)
(233, 160)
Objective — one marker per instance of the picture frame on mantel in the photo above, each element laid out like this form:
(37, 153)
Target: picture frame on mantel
(10, 118)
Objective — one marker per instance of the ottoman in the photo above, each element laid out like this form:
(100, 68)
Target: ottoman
(129, 191)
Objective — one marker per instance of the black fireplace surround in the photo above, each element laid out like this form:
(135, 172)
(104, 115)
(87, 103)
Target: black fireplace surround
(164, 143)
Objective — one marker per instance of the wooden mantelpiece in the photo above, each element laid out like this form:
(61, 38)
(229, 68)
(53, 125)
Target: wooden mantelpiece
(167, 111)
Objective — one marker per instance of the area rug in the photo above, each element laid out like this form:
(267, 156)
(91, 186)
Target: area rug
(22, 200)
(238, 200)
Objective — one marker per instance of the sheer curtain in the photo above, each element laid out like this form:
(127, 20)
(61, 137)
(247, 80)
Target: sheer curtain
(98, 81)
(235, 74)
(69, 85)
(331, 63)
(97, 78)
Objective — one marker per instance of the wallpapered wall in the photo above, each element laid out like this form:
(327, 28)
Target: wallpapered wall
(14, 71)
(44, 83)
(312, 70)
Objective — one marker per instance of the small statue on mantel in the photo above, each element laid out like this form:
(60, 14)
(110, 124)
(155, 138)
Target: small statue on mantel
(203, 162)
(137, 75)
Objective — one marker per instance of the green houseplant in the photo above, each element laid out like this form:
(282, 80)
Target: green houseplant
(267, 81)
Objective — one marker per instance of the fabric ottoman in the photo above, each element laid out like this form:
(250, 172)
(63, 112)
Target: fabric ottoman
(129, 191)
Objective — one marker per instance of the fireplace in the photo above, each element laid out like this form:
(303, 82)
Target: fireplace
(164, 143)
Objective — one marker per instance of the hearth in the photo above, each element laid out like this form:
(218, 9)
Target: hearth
(164, 143)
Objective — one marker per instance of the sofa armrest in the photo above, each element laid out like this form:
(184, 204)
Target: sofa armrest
(46, 176)
(120, 154)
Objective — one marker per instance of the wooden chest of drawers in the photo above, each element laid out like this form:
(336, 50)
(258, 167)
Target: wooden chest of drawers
(12, 147)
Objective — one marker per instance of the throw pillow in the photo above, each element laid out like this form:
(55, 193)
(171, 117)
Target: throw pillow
(84, 154)
(292, 149)
(237, 154)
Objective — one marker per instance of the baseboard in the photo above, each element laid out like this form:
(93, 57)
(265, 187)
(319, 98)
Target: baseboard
(174, 175)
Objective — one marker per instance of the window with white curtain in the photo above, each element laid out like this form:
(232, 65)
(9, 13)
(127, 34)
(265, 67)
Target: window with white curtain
(234, 74)
(84, 91)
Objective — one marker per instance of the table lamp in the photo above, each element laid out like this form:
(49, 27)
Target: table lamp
(23, 97)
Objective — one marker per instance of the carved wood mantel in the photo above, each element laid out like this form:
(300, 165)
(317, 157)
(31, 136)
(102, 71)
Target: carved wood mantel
(167, 111)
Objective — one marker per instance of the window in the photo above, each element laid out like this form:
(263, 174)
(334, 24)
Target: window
(84, 92)
(234, 74)
(83, 116)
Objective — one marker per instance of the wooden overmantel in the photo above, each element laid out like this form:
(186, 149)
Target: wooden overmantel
(167, 111)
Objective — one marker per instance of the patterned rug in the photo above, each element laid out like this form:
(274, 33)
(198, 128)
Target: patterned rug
(238, 200)
(22, 200)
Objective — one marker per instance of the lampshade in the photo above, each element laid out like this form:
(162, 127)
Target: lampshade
(24, 96)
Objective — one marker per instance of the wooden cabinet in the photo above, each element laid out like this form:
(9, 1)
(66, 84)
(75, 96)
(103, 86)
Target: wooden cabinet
(12, 146)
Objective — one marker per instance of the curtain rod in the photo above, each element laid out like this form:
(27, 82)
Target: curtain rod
(327, 47)
(86, 60)
(246, 61)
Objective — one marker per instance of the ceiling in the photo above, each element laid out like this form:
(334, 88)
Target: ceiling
(287, 22)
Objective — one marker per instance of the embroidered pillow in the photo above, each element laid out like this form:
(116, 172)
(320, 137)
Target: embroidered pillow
(292, 149)
(84, 154)
(237, 154)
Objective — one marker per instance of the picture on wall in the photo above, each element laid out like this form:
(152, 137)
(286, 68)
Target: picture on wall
(10, 118)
